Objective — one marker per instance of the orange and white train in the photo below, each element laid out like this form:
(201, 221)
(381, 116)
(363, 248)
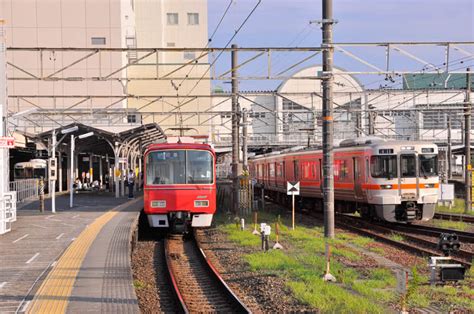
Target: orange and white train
(387, 180)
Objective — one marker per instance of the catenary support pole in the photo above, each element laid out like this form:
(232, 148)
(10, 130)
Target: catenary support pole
(467, 145)
(449, 153)
(60, 171)
(71, 173)
(235, 133)
(117, 170)
(328, 123)
(53, 182)
(245, 139)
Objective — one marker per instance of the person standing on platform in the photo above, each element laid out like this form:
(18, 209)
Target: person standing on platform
(131, 182)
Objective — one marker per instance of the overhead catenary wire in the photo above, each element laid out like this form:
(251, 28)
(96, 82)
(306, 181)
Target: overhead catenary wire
(226, 45)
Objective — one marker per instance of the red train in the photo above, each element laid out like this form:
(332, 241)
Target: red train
(179, 185)
(387, 180)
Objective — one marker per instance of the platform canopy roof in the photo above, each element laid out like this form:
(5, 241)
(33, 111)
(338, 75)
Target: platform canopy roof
(102, 141)
(459, 150)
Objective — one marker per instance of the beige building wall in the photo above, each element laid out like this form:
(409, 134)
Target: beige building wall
(171, 24)
(66, 23)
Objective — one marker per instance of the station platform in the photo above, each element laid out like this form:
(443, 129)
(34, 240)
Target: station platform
(76, 260)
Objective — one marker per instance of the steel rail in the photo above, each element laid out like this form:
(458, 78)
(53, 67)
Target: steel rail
(428, 247)
(405, 246)
(237, 304)
(169, 265)
(454, 217)
(218, 277)
(423, 230)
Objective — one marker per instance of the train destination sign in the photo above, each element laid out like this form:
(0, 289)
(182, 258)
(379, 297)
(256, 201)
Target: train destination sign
(7, 142)
(292, 188)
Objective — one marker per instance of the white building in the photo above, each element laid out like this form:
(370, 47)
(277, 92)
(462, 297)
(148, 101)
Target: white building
(292, 113)
(60, 24)
(87, 80)
(172, 24)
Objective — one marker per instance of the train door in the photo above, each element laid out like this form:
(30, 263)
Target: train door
(356, 166)
(408, 178)
(296, 171)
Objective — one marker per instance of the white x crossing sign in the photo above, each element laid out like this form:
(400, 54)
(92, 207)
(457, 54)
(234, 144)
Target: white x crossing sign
(292, 188)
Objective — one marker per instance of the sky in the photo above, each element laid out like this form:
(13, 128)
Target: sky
(286, 23)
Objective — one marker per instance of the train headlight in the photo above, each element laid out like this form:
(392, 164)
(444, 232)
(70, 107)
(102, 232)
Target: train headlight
(429, 185)
(386, 186)
(158, 204)
(201, 203)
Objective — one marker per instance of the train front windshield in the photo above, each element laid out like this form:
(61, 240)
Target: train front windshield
(179, 167)
(428, 165)
(383, 166)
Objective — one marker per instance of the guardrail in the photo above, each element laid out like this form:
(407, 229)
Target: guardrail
(26, 189)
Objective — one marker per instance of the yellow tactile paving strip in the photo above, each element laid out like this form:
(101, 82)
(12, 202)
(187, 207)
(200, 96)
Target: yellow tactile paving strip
(53, 295)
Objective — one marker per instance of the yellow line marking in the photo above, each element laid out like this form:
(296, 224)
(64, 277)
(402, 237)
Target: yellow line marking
(53, 295)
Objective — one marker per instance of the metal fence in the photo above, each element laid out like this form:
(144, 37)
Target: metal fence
(25, 189)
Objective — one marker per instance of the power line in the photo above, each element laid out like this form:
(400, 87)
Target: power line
(227, 44)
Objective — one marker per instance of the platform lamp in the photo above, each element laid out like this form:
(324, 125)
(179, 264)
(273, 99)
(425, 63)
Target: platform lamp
(71, 175)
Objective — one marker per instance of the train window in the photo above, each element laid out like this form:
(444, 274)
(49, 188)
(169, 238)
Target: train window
(383, 166)
(199, 167)
(271, 170)
(428, 165)
(366, 169)
(340, 170)
(296, 169)
(407, 166)
(166, 167)
(279, 170)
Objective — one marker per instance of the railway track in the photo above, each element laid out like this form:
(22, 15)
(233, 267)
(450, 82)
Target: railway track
(414, 243)
(196, 283)
(454, 217)
(465, 237)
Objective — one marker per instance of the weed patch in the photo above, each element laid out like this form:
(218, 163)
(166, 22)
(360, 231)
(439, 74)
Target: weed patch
(447, 224)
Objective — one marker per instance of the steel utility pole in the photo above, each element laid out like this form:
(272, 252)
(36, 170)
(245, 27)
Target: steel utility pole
(235, 132)
(467, 144)
(245, 140)
(328, 122)
(449, 153)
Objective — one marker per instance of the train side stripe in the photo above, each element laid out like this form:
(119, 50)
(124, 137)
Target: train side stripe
(366, 186)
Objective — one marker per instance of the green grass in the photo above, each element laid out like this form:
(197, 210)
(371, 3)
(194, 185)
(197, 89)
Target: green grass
(457, 208)
(377, 250)
(368, 290)
(302, 265)
(457, 225)
(139, 284)
(271, 261)
(397, 237)
(242, 238)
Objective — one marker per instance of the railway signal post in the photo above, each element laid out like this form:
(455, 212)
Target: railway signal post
(293, 188)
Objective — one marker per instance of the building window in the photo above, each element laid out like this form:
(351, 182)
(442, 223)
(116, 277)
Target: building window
(257, 115)
(131, 118)
(172, 18)
(193, 18)
(189, 55)
(98, 40)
